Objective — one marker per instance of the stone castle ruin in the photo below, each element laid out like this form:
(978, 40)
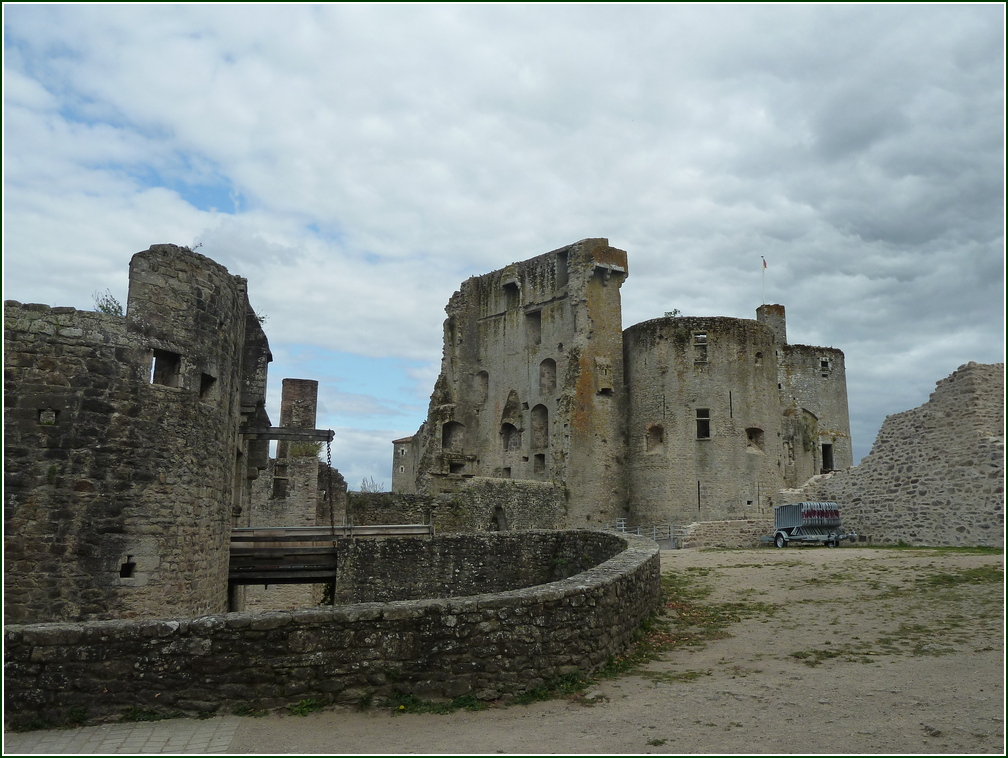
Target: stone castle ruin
(673, 420)
(134, 444)
(136, 448)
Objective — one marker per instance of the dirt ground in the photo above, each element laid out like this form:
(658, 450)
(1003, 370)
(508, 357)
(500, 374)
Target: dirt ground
(848, 650)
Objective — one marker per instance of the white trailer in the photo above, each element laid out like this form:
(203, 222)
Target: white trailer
(808, 522)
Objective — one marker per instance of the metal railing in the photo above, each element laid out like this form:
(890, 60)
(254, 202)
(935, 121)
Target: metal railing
(669, 533)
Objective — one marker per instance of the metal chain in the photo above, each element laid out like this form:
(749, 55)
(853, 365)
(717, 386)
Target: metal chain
(329, 492)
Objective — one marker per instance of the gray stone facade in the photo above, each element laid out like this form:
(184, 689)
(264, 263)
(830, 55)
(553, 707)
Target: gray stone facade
(935, 475)
(673, 420)
(531, 383)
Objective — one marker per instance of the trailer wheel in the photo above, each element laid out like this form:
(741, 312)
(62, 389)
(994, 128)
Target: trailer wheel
(831, 543)
(779, 540)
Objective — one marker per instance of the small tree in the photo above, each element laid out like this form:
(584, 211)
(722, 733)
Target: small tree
(106, 303)
(673, 313)
(369, 485)
(304, 449)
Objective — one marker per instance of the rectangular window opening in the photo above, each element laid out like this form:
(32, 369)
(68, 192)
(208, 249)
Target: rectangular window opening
(207, 385)
(128, 569)
(700, 347)
(167, 369)
(533, 327)
(703, 423)
(539, 463)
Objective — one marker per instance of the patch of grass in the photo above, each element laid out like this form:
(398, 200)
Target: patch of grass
(981, 575)
(246, 710)
(304, 707)
(657, 742)
(77, 717)
(818, 655)
(672, 678)
(403, 702)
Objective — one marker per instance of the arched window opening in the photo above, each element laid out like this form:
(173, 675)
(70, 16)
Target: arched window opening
(452, 435)
(754, 439)
(547, 377)
(511, 437)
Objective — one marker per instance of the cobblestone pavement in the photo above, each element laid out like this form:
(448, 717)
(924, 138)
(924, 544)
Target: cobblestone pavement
(173, 736)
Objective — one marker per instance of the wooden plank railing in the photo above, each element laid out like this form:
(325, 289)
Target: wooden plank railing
(299, 554)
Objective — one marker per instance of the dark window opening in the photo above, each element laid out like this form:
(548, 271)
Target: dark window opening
(511, 438)
(127, 570)
(279, 482)
(167, 369)
(456, 468)
(540, 427)
(562, 274)
(506, 473)
(533, 327)
(703, 423)
(207, 384)
(452, 436)
(499, 521)
(47, 416)
(539, 463)
(827, 457)
(759, 359)
(655, 437)
(754, 439)
(512, 295)
(547, 377)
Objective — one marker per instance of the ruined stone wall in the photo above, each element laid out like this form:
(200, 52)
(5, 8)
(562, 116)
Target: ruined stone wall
(727, 534)
(120, 440)
(704, 440)
(481, 504)
(421, 568)
(488, 645)
(531, 381)
(935, 475)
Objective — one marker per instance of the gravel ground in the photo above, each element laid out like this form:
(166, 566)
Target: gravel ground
(849, 650)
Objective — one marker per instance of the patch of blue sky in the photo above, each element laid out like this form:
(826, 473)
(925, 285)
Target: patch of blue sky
(326, 232)
(354, 389)
(211, 193)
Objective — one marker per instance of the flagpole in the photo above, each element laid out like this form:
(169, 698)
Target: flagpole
(763, 280)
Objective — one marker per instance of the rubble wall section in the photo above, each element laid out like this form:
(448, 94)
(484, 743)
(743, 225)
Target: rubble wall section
(935, 475)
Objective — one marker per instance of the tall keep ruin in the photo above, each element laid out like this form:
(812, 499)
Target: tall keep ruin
(673, 420)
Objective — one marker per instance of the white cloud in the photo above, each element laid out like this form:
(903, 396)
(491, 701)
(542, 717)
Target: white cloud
(365, 159)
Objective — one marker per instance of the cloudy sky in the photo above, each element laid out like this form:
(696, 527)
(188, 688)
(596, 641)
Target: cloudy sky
(357, 162)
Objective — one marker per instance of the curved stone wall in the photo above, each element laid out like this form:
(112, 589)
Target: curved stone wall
(488, 645)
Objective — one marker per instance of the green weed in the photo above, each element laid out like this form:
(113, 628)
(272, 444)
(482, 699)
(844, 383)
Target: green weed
(304, 707)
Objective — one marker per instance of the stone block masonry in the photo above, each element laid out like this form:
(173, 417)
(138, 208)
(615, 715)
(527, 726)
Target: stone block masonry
(121, 446)
(935, 475)
(487, 645)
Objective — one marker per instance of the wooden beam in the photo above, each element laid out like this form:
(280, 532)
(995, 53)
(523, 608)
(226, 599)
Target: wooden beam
(287, 433)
